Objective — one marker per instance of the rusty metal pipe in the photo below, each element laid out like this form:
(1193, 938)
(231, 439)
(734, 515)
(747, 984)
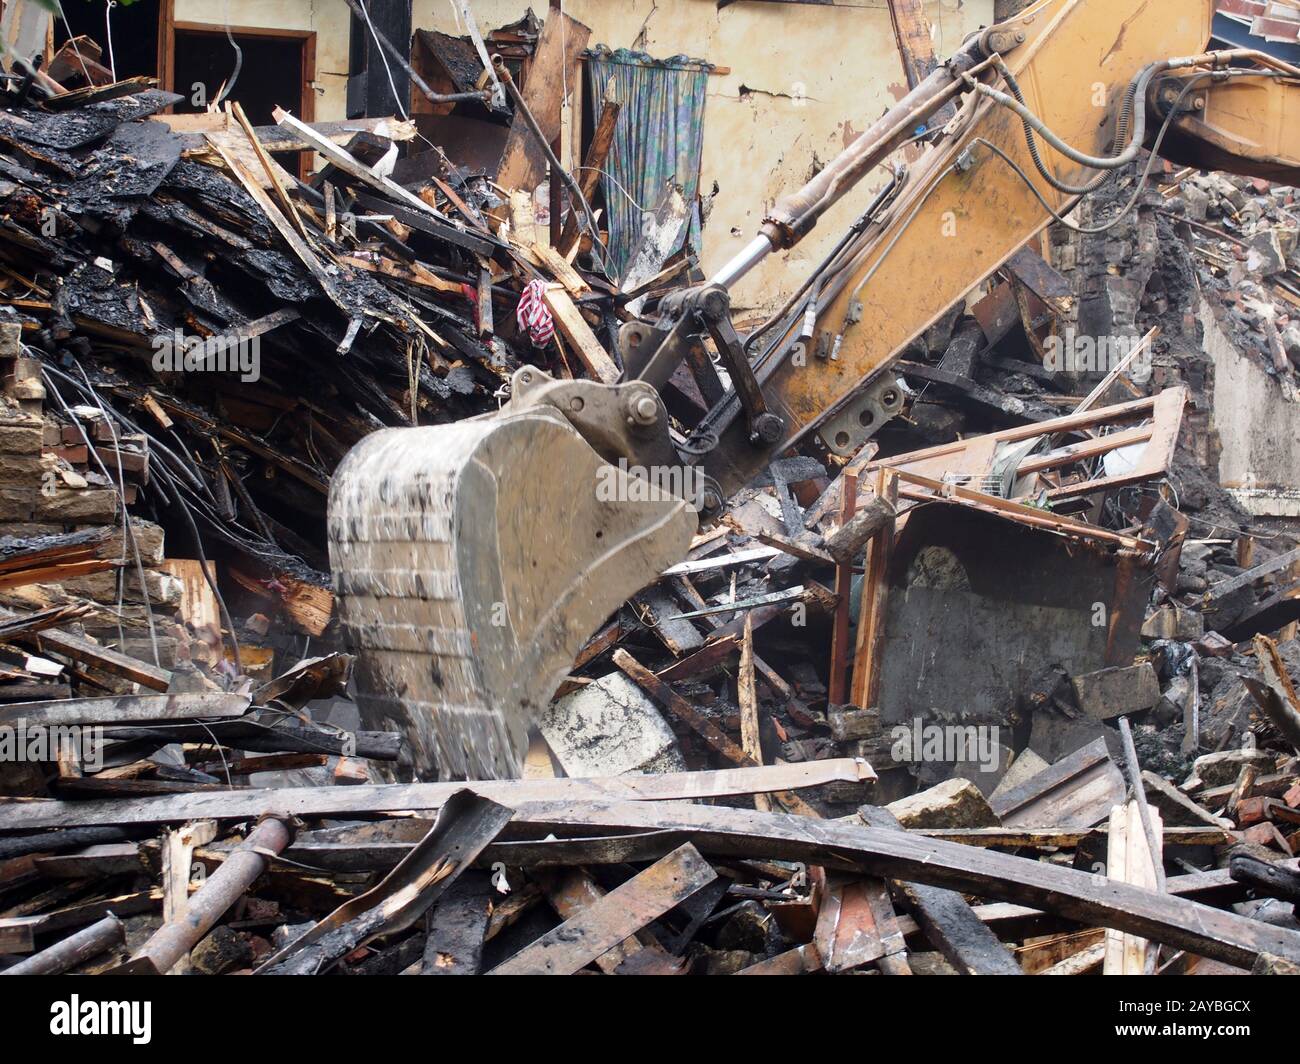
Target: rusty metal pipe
(223, 888)
(88, 942)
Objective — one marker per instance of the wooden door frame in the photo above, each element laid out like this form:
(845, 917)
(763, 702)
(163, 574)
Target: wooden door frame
(168, 26)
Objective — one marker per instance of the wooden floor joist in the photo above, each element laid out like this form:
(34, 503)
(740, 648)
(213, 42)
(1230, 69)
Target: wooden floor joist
(41, 814)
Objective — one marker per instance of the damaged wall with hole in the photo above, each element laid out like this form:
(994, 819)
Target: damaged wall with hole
(1231, 330)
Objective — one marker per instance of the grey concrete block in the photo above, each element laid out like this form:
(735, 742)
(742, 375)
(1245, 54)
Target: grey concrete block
(1110, 693)
(608, 728)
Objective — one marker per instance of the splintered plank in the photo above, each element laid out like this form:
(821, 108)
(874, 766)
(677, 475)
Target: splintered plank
(865, 678)
(569, 320)
(53, 574)
(411, 274)
(592, 165)
(42, 619)
(1129, 860)
(888, 927)
(198, 608)
(1085, 962)
(601, 926)
(709, 656)
(571, 892)
(798, 961)
(101, 658)
(838, 681)
(560, 269)
(122, 709)
(58, 549)
(848, 934)
(178, 851)
(554, 65)
(273, 170)
(747, 698)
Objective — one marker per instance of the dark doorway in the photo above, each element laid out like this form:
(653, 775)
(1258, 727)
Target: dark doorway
(134, 33)
(270, 74)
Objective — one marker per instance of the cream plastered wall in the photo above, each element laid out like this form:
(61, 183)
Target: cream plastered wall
(328, 18)
(804, 80)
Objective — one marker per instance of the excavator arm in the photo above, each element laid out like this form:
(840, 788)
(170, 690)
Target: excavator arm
(1085, 73)
(473, 561)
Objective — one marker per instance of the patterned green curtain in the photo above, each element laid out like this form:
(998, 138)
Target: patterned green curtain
(658, 140)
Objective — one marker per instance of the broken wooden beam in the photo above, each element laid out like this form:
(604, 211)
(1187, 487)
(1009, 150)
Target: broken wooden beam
(622, 912)
(121, 709)
(41, 814)
(101, 658)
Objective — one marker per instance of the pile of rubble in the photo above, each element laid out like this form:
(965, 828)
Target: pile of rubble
(188, 351)
(890, 715)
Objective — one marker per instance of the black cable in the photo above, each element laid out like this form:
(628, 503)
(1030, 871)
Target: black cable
(1121, 135)
(207, 576)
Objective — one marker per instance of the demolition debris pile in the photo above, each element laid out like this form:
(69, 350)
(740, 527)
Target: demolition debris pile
(890, 715)
(184, 338)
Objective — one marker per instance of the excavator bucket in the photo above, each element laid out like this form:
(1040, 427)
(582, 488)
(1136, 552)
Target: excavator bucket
(472, 562)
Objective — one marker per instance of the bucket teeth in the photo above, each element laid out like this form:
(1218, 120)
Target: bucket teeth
(471, 562)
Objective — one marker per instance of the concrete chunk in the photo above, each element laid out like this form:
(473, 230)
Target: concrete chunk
(849, 723)
(1221, 768)
(608, 728)
(954, 803)
(1110, 693)
(1265, 255)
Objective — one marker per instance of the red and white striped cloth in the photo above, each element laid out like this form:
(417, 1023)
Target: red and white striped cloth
(534, 315)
